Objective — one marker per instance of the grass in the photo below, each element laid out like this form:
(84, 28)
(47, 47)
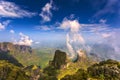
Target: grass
(39, 57)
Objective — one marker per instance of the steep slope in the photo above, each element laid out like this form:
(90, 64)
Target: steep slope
(9, 71)
(25, 54)
(59, 59)
(82, 62)
(9, 58)
(58, 62)
(105, 70)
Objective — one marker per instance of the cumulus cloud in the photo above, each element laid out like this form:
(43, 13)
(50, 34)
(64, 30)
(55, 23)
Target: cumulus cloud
(24, 40)
(46, 13)
(95, 34)
(103, 34)
(69, 46)
(74, 40)
(4, 24)
(73, 25)
(10, 9)
(12, 31)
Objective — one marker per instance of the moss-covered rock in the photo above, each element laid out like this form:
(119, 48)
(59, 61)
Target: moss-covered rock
(106, 70)
(6, 56)
(59, 59)
(79, 75)
(33, 71)
(9, 71)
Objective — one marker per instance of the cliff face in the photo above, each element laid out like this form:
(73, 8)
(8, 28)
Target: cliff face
(5, 48)
(16, 53)
(9, 47)
(81, 55)
(59, 59)
(9, 58)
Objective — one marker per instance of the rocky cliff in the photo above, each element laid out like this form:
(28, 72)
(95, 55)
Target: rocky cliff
(59, 59)
(14, 48)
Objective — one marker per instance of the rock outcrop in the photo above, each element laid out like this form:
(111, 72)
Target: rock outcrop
(14, 48)
(8, 71)
(105, 70)
(59, 59)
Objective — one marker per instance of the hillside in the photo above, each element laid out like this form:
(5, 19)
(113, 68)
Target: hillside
(8, 57)
(61, 68)
(8, 71)
(25, 54)
(104, 70)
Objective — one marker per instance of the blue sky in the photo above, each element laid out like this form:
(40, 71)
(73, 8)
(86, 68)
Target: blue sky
(36, 21)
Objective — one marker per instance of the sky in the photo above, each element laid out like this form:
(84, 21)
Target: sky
(28, 22)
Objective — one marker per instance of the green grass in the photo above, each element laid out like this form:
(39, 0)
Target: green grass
(72, 68)
(39, 57)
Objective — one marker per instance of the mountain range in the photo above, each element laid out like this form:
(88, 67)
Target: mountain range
(20, 62)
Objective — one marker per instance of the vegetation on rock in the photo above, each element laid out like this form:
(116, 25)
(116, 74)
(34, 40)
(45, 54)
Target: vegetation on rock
(9, 71)
(105, 70)
(60, 68)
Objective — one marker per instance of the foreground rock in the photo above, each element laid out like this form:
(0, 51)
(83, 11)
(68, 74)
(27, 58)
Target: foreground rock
(105, 70)
(59, 60)
(9, 71)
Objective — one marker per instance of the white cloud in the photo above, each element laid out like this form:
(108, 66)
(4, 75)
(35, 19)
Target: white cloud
(69, 46)
(2, 27)
(103, 21)
(24, 40)
(73, 25)
(106, 35)
(46, 13)
(94, 28)
(12, 31)
(43, 27)
(100, 33)
(37, 42)
(74, 40)
(113, 41)
(9, 9)
(4, 24)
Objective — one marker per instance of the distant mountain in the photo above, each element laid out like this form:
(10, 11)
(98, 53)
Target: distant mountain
(59, 68)
(10, 52)
(14, 48)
